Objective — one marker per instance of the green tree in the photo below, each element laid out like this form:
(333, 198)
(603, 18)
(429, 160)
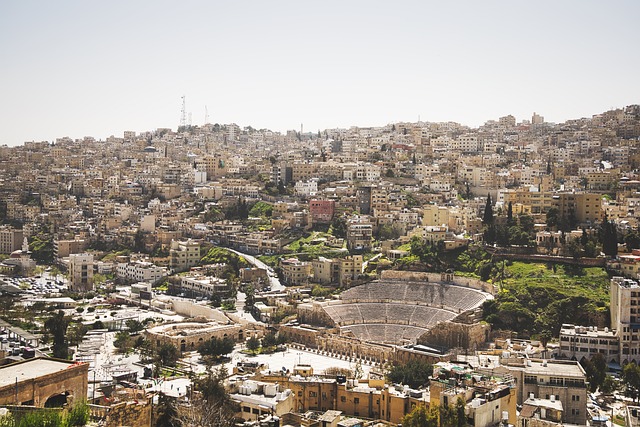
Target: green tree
(632, 240)
(57, 325)
(75, 332)
(41, 246)
(552, 217)
(123, 342)
(134, 326)
(339, 227)
(138, 241)
(269, 340)
(165, 414)
(487, 217)
(166, 355)
(421, 416)
(596, 370)
(631, 380)
(510, 214)
(609, 385)
(216, 347)
(253, 344)
(526, 223)
(414, 373)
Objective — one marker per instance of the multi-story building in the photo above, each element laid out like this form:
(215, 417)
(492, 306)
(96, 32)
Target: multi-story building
(64, 248)
(10, 239)
(184, 254)
(81, 272)
(202, 286)
(140, 271)
(565, 380)
(349, 268)
(625, 317)
(578, 342)
(321, 211)
(587, 207)
(294, 271)
(359, 236)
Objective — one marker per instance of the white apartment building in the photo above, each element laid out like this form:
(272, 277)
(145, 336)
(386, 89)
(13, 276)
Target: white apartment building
(306, 188)
(625, 317)
(205, 286)
(140, 271)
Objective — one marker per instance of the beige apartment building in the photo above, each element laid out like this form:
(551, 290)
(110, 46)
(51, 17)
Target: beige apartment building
(184, 254)
(10, 239)
(294, 271)
(81, 272)
(64, 248)
(564, 381)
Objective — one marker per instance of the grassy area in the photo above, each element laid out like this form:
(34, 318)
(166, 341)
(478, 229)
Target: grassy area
(535, 299)
(304, 242)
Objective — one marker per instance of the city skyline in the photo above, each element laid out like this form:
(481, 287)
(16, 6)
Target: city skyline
(77, 70)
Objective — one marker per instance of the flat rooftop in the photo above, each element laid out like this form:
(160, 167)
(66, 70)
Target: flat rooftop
(552, 367)
(30, 369)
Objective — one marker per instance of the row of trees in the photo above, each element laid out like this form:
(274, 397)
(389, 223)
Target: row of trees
(437, 416)
(520, 232)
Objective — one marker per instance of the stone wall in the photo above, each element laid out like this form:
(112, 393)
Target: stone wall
(191, 309)
(129, 414)
(420, 276)
(457, 335)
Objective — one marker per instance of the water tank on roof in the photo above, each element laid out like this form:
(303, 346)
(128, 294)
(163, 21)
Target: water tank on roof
(270, 390)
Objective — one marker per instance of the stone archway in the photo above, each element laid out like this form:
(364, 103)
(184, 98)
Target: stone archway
(57, 400)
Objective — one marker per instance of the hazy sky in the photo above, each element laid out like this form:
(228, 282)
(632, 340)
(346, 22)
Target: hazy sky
(77, 68)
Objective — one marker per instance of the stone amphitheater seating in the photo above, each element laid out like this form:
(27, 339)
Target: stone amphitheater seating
(456, 298)
(386, 333)
(392, 313)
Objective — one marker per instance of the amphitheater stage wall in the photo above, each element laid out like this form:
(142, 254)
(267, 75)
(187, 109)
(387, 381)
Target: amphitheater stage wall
(457, 335)
(419, 276)
(341, 346)
(314, 314)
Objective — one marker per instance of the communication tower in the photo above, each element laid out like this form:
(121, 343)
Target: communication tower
(183, 113)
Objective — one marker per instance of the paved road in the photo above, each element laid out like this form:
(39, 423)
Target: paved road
(274, 282)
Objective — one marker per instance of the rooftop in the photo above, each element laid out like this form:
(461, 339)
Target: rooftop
(31, 369)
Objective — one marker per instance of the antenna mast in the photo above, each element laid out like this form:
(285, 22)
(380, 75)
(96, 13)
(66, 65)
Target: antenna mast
(206, 115)
(183, 113)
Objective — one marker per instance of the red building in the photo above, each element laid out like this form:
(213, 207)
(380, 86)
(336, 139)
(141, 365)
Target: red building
(322, 211)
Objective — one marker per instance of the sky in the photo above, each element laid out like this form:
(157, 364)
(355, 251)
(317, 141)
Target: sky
(81, 68)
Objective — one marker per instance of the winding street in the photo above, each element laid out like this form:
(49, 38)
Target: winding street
(274, 282)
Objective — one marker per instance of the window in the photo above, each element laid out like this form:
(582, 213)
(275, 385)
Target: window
(356, 400)
(343, 399)
(312, 394)
(246, 409)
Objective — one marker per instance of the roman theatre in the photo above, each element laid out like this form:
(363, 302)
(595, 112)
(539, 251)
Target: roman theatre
(403, 307)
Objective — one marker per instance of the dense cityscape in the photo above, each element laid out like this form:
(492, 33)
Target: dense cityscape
(416, 273)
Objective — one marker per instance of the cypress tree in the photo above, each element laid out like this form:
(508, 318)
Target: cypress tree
(487, 218)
